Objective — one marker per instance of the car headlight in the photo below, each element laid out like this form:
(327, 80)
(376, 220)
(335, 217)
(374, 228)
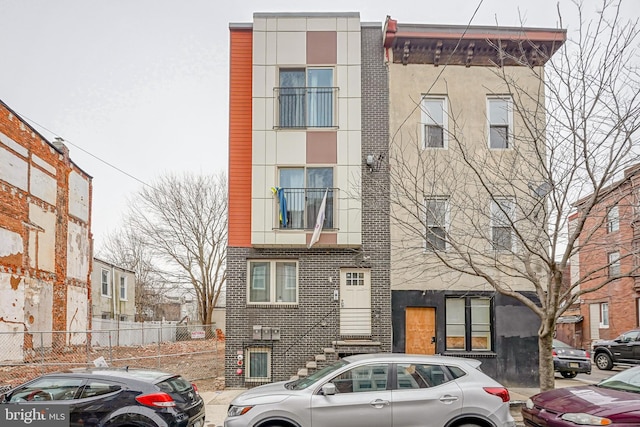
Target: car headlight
(235, 411)
(586, 419)
(529, 404)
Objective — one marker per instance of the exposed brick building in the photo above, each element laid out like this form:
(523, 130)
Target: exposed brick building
(612, 248)
(45, 235)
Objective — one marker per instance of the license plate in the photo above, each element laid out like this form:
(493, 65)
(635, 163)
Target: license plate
(574, 365)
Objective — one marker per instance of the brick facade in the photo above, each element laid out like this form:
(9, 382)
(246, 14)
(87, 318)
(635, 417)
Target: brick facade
(621, 295)
(45, 223)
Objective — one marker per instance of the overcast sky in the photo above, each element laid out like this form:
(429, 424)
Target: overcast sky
(143, 84)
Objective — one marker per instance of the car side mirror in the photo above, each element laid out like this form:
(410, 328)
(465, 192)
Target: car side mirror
(329, 389)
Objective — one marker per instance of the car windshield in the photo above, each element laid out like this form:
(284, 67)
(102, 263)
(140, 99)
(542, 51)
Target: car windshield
(628, 380)
(303, 383)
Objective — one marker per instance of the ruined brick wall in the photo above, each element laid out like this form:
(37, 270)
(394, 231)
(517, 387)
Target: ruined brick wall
(45, 232)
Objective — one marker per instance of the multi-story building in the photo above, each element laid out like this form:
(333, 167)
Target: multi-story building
(459, 142)
(610, 250)
(113, 291)
(45, 235)
(308, 129)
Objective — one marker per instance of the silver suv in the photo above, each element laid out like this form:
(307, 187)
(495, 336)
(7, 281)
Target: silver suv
(379, 390)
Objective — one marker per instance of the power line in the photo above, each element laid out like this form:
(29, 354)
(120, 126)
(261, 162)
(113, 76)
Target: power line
(84, 151)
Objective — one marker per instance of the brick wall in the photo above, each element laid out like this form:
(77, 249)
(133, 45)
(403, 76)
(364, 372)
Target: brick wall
(38, 232)
(621, 294)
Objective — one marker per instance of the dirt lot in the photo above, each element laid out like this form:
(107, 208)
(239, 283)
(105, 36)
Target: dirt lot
(200, 361)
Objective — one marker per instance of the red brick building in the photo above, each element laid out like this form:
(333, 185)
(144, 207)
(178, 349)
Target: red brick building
(610, 252)
(45, 235)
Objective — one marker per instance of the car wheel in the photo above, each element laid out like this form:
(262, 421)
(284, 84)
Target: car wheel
(603, 361)
(567, 374)
(469, 425)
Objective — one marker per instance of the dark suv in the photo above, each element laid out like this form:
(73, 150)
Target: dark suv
(623, 350)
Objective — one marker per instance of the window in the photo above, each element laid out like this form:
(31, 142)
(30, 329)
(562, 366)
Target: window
(614, 264)
(437, 221)
(273, 282)
(502, 213)
(123, 288)
(434, 122)
(500, 122)
(304, 190)
(258, 365)
(306, 98)
(412, 376)
(468, 324)
(47, 389)
(613, 220)
(604, 315)
(362, 379)
(106, 288)
(98, 388)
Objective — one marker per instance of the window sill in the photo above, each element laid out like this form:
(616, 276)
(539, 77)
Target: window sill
(272, 305)
(471, 354)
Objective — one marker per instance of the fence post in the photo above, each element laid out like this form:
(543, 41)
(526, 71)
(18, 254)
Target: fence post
(159, 339)
(42, 352)
(110, 353)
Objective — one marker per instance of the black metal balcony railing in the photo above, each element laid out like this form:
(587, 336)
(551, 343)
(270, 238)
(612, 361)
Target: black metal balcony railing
(303, 107)
(300, 207)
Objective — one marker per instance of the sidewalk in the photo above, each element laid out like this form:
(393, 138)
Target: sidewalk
(217, 402)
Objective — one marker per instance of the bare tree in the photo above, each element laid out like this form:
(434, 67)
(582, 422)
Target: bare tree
(507, 214)
(182, 222)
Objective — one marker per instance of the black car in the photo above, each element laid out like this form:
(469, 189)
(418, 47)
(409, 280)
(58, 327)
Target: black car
(570, 361)
(116, 397)
(625, 350)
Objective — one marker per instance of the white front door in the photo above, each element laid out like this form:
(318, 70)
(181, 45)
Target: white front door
(355, 302)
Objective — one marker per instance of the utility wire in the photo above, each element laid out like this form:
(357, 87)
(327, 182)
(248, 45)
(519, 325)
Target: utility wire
(84, 151)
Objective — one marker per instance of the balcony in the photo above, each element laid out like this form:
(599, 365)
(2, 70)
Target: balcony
(298, 208)
(305, 107)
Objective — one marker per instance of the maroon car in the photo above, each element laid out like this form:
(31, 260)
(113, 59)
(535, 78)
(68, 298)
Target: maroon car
(612, 402)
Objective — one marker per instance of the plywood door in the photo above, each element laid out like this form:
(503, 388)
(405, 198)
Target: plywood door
(420, 330)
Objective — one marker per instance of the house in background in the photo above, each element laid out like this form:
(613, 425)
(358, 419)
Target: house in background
(443, 85)
(45, 236)
(308, 125)
(612, 250)
(113, 291)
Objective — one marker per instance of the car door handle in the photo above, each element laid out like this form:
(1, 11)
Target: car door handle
(379, 403)
(448, 399)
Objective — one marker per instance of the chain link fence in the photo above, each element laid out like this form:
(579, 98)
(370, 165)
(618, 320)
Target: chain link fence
(194, 351)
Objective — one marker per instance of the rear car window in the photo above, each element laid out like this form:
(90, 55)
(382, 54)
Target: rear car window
(97, 388)
(174, 385)
(416, 375)
(456, 372)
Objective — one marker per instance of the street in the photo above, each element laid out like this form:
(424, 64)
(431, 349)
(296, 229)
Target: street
(596, 375)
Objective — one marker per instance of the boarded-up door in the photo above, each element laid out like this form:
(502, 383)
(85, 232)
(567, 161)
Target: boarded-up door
(420, 330)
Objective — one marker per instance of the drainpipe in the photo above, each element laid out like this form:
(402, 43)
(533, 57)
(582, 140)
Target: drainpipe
(113, 292)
